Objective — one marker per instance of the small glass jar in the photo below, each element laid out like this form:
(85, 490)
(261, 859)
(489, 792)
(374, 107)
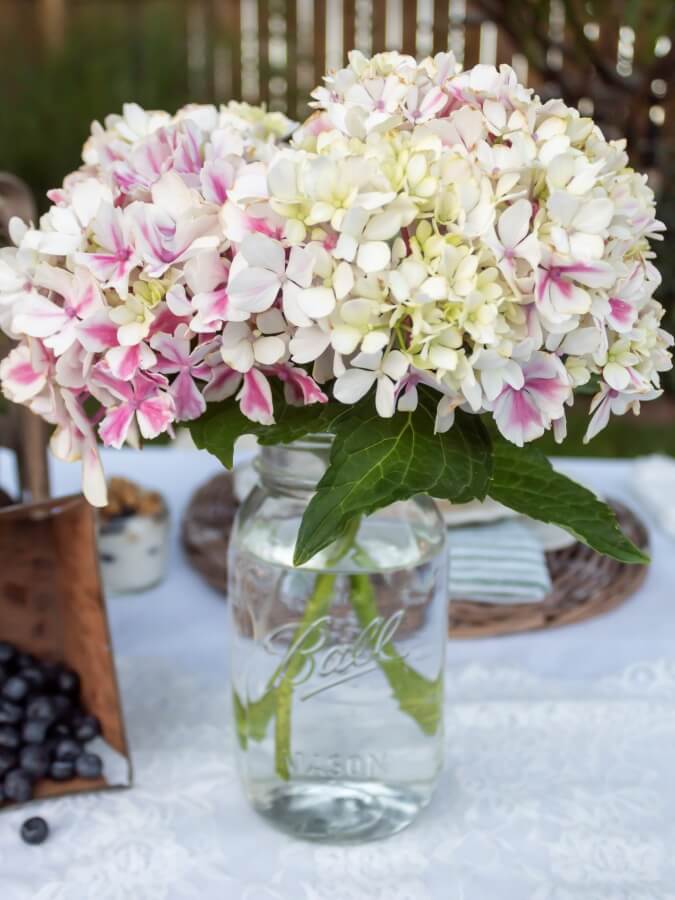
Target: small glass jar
(337, 666)
(133, 550)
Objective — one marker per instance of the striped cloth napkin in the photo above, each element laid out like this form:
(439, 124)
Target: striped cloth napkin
(500, 562)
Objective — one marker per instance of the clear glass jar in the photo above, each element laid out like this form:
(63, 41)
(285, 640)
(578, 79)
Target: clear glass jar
(337, 666)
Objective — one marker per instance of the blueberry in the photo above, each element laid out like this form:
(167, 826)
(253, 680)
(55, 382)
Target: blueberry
(67, 750)
(60, 730)
(22, 660)
(18, 786)
(7, 761)
(4, 673)
(35, 830)
(50, 745)
(60, 770)
(10, 713)
(34, 759)
(86, 728)
(34, 731)
(15, 688)
(41, 707)
(7, 652)
(9, 737)
(50, 671)
(68, 682)
(35, 677)
(62, 706)
(88, 765)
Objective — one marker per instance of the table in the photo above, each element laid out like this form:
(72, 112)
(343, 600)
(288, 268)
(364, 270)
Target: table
(558, 785)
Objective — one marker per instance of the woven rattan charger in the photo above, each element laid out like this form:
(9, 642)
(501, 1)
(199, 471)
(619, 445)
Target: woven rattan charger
(583, 583)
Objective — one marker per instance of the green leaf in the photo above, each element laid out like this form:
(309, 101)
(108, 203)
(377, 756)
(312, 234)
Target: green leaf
(219, 427)
(376, 461)
(524, 480)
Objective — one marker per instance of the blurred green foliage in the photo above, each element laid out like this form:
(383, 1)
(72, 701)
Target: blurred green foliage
(112, 52)
(625, 437)
(665, 262)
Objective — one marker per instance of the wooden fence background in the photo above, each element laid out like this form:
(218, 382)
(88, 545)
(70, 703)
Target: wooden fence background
(276, 50)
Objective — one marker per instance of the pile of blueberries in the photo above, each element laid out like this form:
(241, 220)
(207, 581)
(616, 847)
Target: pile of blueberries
(44, 729)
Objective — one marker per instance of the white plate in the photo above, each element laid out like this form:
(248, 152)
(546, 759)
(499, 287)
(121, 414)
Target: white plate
(550, 536)
(474, 512)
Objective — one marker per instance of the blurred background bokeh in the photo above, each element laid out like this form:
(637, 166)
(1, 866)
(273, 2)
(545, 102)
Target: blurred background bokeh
(64, 63)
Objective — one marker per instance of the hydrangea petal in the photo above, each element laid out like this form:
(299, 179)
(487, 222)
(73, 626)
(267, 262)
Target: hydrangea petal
(255, 398)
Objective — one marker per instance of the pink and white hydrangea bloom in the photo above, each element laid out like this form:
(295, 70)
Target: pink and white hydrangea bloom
(72, 315)
(299, 388)
(25, 372)
(610, 401)
(115, 256)
(368, 369)
(75, 439)
(562, 287)
(175, 357)
(143, 403)
(206, 277)
(255, 397)
(426, 229)
(514, 240)
(260, 271)
(524, 413)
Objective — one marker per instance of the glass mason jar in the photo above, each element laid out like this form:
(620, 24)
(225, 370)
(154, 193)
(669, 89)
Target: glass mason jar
(337, 666)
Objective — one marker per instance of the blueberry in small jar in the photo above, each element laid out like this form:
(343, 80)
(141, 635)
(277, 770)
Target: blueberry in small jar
(133, 534)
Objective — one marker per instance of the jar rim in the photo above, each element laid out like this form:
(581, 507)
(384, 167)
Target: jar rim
(274, 465)
(320, 440)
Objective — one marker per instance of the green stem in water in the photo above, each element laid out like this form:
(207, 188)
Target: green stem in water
(317, 606)
(256, 716)
(416, 695)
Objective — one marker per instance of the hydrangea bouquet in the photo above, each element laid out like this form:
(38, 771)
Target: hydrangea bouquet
(428, 269)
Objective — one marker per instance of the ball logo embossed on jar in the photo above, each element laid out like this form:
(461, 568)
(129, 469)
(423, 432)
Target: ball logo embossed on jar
(332, 665)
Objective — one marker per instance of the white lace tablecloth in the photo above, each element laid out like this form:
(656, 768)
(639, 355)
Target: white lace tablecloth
(559, 782)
